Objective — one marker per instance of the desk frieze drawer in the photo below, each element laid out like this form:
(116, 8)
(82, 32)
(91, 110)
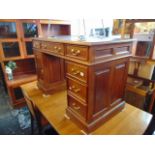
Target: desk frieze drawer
(45, 45)
(56, 48)
(77, 71)
(77, 107)
(77, 89)
(78, 52)
(36, 44)
(121, 50)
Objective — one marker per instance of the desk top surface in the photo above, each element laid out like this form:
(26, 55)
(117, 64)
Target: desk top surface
(131, 121)
(85, 41)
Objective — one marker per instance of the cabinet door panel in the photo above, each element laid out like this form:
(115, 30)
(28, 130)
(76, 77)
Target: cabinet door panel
(102, 86)
(117, 87)
(52, 68)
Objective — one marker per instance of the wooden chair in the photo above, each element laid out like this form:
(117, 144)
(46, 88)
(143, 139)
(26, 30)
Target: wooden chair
(35, 115)
(141, 69)
(152, 103)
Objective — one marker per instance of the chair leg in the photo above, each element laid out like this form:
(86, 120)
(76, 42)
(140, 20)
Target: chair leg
(38, 119)
(32, 125)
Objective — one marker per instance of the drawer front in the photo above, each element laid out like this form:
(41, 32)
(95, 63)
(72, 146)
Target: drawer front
(121, 50)
(77, 89)
(36, 44)
(77, 71)
(78, 52)
(45, 45)
(77, 106)
(56, 48)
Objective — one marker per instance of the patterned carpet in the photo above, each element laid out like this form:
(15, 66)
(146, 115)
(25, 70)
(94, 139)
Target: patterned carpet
(12, 122)
(17, 121)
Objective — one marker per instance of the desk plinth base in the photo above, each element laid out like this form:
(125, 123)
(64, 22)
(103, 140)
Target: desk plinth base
(93, 125)
(52, 88)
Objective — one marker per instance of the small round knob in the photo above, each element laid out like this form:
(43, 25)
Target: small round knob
(59, 49)
(73, 69)
(81, 74)
(72, 50)
(78, 52)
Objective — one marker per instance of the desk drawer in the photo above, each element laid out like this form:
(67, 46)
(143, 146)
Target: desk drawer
(78, 52)
(56, 48)
(36, 44)
(121, 50)
(77, 71)
(77, 89)
(77, 106)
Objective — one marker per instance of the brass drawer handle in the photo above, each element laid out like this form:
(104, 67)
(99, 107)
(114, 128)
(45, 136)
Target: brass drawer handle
(74, 89)
(75, 72)
(71, 87)
(75, 53)
(75, 107)
(36, 45)
(59, 49)
(77, 90)
(44, 46)
(72, 50)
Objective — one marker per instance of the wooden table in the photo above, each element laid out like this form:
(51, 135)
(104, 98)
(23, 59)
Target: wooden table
(131, 121)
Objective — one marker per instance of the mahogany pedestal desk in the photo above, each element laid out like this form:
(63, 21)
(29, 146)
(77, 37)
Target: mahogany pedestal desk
(93, 71)
(130, 121)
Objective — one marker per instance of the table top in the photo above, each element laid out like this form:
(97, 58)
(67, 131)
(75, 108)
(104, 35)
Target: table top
(130, 121)
(89, 41)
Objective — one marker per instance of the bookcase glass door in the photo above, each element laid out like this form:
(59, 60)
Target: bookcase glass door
(8, 30)
(9, 39)
(30, 30)
(11, 49)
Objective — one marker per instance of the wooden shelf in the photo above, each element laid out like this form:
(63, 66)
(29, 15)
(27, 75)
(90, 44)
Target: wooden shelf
(139, 58)
(55, 22)
(18, 80)
(139, 20)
